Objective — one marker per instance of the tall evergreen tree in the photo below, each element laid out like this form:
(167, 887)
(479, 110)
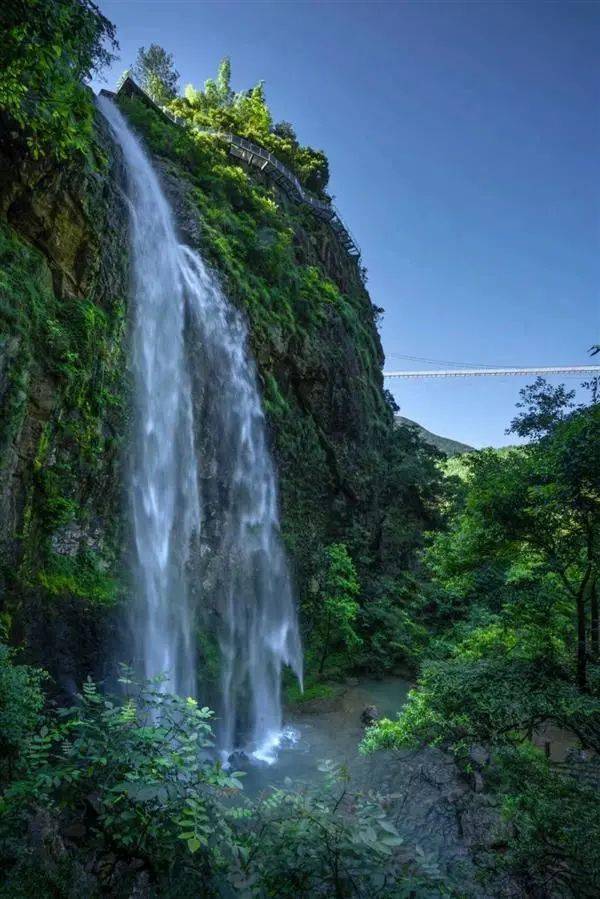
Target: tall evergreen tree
(155, 71)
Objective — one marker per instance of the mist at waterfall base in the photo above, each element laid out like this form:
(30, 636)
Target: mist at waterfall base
(202, 488)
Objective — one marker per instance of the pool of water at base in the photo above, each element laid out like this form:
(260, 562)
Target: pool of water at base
(326, 730)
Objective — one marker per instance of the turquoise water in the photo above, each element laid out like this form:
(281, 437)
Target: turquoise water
(328, 730)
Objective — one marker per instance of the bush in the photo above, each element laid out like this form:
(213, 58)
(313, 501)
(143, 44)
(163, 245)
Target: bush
(554, 825)
(134, 778)
(21, 701)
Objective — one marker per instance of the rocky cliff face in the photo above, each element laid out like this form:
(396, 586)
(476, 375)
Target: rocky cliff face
(313, 336)
(64, 384)
(63, 293)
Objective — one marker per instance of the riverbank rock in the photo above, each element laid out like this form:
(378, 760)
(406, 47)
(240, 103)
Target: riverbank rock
(448, 825)
(369, 716)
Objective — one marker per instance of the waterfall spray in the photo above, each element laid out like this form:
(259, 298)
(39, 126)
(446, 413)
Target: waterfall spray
(185, 332)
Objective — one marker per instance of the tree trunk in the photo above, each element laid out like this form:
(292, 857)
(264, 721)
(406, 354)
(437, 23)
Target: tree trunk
(594, 635)
(581, 637)
(325, 646)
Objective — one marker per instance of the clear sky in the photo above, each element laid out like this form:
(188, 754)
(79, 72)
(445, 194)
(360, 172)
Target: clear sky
(464, 146)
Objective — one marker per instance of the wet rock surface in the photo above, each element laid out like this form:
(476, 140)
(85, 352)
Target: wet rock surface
(369, 716)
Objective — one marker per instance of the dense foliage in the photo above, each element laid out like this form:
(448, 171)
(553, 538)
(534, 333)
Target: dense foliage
(75, 344)
(555, 825)
(331, 610)
(47, 48)
(132, 778)
(155, 73)
(247, 114)
(511, 599)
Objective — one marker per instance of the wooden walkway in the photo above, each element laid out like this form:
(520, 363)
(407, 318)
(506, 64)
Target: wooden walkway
(255, 155)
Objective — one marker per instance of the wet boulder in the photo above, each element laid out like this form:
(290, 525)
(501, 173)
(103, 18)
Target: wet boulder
(369, 716)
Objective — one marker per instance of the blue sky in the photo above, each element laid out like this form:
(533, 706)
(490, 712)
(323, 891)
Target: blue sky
(464, 145)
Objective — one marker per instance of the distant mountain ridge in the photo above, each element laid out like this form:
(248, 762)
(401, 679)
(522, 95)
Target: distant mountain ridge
(445, 444)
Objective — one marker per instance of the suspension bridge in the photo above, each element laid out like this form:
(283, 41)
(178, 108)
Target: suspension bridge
(568, 370)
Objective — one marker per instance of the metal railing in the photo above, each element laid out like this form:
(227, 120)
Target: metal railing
(325, 211)
(288, 180)
(497, 372)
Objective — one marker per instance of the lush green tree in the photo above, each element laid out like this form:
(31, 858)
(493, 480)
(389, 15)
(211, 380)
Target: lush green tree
(155, 72)
(401, 493)
(246, 113)
(48, 48)
(560, 515)
(223, 83)
(217, 91)
(528, 530)
(286, 131)
(332, 607)
(494, 683)
(544, 407)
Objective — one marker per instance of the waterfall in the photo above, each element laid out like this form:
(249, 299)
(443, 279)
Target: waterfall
(202, 484)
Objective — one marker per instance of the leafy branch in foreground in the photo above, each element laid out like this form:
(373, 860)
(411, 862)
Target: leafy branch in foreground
(144, 761)
(133, 778)
(48, 48)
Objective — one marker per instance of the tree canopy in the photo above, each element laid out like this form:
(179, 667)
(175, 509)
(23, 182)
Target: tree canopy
(155, 72)
(48, 49)
(509, 598)
(246, 113)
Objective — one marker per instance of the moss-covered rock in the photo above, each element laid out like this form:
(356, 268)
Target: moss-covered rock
(346, 474)
(63, 291)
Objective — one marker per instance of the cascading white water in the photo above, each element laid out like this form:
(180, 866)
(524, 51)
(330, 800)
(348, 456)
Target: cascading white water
(188, 339)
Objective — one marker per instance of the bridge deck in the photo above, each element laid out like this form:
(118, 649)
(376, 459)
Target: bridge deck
(498, 372)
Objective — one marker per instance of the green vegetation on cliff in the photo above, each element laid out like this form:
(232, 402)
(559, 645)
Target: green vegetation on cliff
(63, 392)
(247, 114)
(64, 347)
(347, 474)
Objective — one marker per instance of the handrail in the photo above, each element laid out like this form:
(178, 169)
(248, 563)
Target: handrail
(497, 372)
(325, 211)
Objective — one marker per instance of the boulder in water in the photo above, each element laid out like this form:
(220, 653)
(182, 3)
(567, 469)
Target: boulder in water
(369, 716)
